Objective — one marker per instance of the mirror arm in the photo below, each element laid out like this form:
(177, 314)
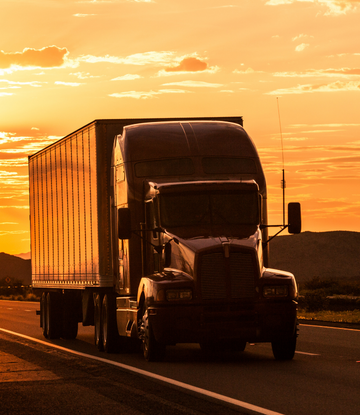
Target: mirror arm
(273, 226)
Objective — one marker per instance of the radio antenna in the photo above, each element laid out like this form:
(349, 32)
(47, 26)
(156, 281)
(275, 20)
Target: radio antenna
(283, 183)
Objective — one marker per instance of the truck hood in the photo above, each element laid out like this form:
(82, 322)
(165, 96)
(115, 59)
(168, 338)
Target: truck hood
(185, 252)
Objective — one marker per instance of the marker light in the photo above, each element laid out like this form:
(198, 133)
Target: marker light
(176, 295)
(275, 291)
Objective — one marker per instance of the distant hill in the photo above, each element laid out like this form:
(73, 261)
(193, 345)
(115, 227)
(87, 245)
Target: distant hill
(307, 255)
(13, 269)
(317, 254)
(25, 255)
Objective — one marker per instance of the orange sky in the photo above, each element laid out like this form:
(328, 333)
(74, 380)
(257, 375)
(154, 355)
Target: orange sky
(65, 63)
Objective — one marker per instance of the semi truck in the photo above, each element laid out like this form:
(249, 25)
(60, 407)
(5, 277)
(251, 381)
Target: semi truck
(156, 233)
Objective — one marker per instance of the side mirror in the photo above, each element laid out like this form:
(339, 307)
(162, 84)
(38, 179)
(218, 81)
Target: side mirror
(124, 223)
(294, 218)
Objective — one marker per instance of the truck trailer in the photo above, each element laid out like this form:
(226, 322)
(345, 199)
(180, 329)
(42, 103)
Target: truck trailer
(155, 232)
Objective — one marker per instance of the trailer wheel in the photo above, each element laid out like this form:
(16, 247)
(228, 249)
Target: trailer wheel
(69, 317)
(152, 349)
(53, 315)
(109, 331)
(97, 321)
(284, 349)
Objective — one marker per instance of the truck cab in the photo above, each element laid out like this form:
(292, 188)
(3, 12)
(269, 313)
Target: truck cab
(191, 227)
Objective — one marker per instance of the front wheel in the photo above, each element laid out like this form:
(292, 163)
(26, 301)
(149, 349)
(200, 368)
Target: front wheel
(153, 350)
(284, 349)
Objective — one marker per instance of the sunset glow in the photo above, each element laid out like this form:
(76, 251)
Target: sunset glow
(65, 63)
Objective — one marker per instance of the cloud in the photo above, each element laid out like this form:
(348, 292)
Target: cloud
(194, 84)
(190, 64)
(83, 75)
(306, 89)
(47, 57)
(247, 71)
(68, 83)
(301, 36)
(3, 233)
(146, 58)
(301, 47)
(147, 94)
(127, 77)
(330, 72)
(35, 84)
(334, 7)
(186, 64)
(83, 15)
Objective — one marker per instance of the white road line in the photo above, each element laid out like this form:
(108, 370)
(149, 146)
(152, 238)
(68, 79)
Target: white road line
(241, 404)
(329, 327)
(308, 354)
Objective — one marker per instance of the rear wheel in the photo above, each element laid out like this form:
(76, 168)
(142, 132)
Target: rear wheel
(53, 312)
(69, 316)
(109, 331)
(153, 350)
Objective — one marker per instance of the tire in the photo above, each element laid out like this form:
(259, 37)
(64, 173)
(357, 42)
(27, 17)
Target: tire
(284, 349)
(53, 314)
(109, 331)
(97, 321)
(69, 317)
(153, 350)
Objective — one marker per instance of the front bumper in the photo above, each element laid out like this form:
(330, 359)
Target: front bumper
(261, 322)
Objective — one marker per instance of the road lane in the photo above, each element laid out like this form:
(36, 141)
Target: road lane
(323, 377)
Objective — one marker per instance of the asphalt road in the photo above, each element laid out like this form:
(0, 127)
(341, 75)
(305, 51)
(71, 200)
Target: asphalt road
(323, 378)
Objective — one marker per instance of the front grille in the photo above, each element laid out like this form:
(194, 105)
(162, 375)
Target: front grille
(227, 278)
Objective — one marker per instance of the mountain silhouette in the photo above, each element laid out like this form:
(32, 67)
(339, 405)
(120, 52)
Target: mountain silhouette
(317, 254)
(307, 255)
(14, 269)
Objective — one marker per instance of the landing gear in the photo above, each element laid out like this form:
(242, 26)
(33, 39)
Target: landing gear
(109, 331)
(98, 298)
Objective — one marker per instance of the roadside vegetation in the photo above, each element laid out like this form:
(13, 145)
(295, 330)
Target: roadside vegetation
(330, 300)
(320, 299)
(16, 291)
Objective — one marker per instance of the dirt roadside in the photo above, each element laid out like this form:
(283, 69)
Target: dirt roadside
(37, 379)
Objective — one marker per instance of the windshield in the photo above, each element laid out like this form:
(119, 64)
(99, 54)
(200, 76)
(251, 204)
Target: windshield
(209, 210)
(167, 167)
(228, 165)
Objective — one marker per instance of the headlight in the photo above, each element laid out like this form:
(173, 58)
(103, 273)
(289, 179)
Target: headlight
(175, 295)
(275, 291)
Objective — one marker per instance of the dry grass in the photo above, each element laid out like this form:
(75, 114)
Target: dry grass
(352, 317)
